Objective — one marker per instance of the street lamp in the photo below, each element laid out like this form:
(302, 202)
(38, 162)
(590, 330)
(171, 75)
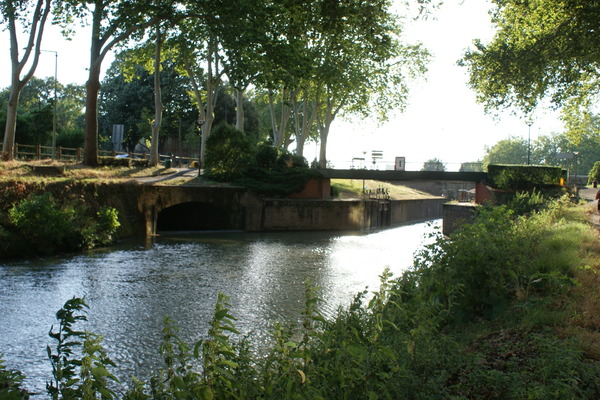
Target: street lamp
(55, 100)
(529, 122)
(200, 124)
(575, 153)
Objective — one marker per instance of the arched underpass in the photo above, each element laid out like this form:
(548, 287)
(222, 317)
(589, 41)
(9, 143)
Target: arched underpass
(194, 216)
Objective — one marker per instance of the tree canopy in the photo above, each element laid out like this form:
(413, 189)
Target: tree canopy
(542, 49)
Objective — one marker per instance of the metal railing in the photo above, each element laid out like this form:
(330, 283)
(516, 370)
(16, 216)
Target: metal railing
(75, 155)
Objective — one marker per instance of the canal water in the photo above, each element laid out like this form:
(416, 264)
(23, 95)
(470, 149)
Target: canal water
(131, 287)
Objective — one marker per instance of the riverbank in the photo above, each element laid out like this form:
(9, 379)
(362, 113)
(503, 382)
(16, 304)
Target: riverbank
(141, 194)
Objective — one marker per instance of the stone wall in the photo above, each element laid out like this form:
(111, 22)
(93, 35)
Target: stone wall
(416, 210)
(456, 214)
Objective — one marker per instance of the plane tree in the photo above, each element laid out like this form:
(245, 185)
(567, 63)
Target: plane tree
(363, 68)
(287, 62)
(198, 50)
(113, 22)
(29, 17)
(240, 28)
(543, 49)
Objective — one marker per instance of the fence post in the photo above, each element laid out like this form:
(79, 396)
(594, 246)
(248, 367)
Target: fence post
(79, 154)
(58, 152)
(16, 151)
(38, 151)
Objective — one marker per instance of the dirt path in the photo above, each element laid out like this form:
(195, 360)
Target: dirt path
(170, 175)
(589, 194)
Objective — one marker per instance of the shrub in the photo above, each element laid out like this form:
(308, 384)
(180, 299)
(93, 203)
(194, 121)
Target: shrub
(42, 223)
(265, 156)
(594, 173)
(49, 227)
(228, 153)
(290, 160)
(10, 384)
(527, 202)
(523, 176)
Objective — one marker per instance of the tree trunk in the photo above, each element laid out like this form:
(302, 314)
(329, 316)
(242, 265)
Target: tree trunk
(279, 139)
(36, 32)
(90, 144)
(158, 106)
(324, 126)
(302, 126)
(205, 110)
(11, 122)
(239, 100)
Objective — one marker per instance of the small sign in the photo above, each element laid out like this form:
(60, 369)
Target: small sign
(565, 156)
(400, 163)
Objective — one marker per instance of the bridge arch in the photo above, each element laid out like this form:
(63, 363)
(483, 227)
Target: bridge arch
(192, 208)
(195, 216)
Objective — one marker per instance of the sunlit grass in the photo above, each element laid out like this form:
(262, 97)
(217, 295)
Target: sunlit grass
(353, 188)
(22, 170)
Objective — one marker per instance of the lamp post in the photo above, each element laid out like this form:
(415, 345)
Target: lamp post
(200, 124)
(575, 153)
(529, 122)
(55, 100)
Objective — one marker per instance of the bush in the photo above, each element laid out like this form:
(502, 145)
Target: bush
(290, 160)
(70, 138)
(42, 223)
(10, 384)
(228, 153)
(265, 156)
(47, 227)
(523, 176)
(527, 202)
(594, 173)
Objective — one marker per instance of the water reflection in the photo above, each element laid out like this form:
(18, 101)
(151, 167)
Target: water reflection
(132, 287)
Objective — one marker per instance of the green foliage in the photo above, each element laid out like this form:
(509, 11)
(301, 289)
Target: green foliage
(230, 157)
(42, 222)
(527, 202)
(228, 153)
(265, 156)
(278, 182)
(290, 160)
(476, 166)
(76, 377)
(433, 165)
(45, 226)
(541, 48)
(10, 384)
(507, 151)
(594, 173)
(523, 176)
(71, 139)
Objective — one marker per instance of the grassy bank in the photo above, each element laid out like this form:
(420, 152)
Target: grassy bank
(507, 308)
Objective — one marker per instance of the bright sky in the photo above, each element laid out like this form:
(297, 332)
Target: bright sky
(441, 121)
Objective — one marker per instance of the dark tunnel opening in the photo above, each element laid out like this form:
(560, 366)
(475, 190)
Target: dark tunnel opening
(193, 216)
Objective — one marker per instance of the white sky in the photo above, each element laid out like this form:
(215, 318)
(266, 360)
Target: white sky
(442, 119)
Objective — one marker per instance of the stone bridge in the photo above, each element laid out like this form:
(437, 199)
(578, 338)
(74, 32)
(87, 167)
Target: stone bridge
(193, 208)
(172, 208)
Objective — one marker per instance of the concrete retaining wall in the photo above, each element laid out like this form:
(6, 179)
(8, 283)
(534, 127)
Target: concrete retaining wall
(456, 214)
(242, 210)
(289, 214)
(416, 210)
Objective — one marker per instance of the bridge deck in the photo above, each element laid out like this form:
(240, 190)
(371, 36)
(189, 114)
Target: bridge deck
(403, 175)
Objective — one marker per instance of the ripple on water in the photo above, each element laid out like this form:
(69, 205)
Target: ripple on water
(131, 288)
